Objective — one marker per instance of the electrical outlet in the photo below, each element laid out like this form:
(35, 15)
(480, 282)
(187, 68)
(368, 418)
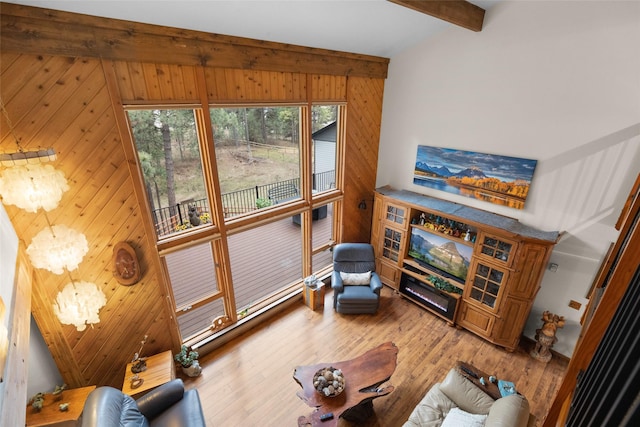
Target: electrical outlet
(575, 305)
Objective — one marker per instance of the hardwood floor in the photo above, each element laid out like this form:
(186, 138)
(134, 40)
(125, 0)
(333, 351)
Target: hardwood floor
(249, 381)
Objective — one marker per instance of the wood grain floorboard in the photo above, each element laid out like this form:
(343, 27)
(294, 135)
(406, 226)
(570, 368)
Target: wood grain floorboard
(249, 381)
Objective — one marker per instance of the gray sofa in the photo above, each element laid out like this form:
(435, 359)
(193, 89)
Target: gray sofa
(458, 392)
(166, 406)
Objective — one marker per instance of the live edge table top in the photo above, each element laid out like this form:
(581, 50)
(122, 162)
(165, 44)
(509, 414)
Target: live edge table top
(363, 377)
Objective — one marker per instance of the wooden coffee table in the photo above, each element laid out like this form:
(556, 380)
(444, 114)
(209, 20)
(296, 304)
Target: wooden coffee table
(363, 377)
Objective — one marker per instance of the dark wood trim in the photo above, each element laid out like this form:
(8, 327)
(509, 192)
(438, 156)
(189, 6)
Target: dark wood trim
(621, 275)
(34, 30)
(461, 13)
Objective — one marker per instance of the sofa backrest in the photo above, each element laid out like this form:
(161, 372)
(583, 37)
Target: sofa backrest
(466, 395)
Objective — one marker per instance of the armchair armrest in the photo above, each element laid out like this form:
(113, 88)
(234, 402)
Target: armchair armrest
(159, 399)
(375, 283)
(336, 282)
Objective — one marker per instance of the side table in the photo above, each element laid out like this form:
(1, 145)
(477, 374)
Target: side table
(314, 295)
(160, 370)
(50, 414)
(490, 388)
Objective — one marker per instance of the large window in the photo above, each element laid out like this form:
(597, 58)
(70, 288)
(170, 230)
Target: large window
(226, 249)
(169, 155)
(258, 156)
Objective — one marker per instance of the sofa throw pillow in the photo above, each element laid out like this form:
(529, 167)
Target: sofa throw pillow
(355, 278)
(459, 418)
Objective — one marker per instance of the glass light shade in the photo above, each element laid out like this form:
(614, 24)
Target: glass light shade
(32, 186)
(78, 304)
(57, 248)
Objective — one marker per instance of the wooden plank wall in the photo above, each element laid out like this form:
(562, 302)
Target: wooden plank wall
(60, 101)
(364, 100)
(64, 103)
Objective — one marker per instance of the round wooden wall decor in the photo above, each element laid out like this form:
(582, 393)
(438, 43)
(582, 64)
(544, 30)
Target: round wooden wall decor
(126, 268)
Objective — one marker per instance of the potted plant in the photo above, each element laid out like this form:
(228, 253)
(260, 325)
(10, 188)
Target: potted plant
(188, 360)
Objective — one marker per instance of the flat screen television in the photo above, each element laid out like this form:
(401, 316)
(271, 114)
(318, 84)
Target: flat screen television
(440, 254)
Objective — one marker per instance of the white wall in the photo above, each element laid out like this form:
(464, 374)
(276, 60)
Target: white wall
(8, 258)
(43, 374)
(554, 81)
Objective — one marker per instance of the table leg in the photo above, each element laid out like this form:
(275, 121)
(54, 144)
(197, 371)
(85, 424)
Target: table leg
(359, 413)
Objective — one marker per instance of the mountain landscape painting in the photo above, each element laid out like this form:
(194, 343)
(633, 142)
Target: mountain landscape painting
(502, 180)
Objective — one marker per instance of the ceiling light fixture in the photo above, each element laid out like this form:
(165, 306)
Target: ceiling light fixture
(57, 248)
(26, 182)
(79, 304)
(31, 187)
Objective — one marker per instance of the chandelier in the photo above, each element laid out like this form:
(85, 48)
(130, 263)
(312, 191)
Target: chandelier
(31, 187)
(57, 248)
(26, 182)
(78, 304)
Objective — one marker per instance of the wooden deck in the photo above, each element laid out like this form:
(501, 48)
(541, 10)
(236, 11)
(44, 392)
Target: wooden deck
(264, 260)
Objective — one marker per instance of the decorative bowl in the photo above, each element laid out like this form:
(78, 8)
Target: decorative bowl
(329, 381)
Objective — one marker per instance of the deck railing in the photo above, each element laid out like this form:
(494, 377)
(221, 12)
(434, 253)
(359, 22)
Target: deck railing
(176, 218)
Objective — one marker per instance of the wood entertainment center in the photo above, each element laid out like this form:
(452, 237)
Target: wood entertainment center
(475, 269)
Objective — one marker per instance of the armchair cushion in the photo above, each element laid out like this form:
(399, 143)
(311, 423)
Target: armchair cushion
(355, 278)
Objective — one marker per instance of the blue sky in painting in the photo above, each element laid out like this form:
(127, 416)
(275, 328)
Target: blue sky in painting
(504, 168)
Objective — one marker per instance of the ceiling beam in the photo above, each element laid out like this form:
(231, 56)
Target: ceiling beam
(458, 12)
(33, 30)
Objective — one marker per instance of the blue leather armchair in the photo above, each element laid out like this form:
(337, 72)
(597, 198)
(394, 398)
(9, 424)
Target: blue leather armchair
(349, 298)
(166, 406)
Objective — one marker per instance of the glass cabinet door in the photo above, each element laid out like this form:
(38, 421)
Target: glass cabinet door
(392, 244)
(486, 283)
(395, 214)
(497, 249)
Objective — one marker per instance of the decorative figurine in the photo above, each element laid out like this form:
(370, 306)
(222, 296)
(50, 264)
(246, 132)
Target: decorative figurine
(57, 392)
(37, 401)
(546, 336)
(136, 381)
(139, 364)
